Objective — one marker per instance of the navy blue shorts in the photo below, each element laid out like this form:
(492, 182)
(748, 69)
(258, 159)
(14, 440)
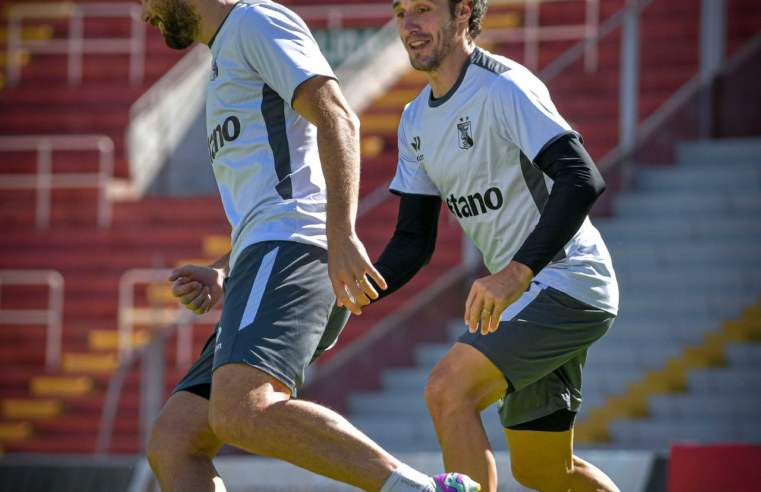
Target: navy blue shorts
(279, 315)
(541, 347)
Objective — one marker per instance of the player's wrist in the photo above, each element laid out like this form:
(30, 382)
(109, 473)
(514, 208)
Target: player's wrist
(521, 271)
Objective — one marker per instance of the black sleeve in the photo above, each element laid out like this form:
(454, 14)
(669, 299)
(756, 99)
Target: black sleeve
(577, 184)
(412, 245)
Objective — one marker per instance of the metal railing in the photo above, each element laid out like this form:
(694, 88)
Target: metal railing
(151, 356)
(52, 316)
(76, 45)
(155, 316)
(336, 15)
(532, 33)
(45, 180)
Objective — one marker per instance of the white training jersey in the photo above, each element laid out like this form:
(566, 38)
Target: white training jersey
(474, 147)
(264, 154)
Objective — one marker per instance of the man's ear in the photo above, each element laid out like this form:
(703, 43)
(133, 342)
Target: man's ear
(464, 10)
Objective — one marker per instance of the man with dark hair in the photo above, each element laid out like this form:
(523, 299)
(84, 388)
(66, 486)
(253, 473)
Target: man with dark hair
(485, 137)
(284, 146)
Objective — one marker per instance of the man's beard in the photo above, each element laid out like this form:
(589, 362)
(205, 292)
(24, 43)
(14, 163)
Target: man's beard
(433, 61)
(181, 24)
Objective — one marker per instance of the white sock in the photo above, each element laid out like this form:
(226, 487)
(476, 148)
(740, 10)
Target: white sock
(406, 479)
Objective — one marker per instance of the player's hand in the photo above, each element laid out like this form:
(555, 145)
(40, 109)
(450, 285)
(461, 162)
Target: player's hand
(348, 265)
(198, 288)
(489, 296)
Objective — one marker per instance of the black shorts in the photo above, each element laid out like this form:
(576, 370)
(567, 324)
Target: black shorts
(280, 314)
(541, 347)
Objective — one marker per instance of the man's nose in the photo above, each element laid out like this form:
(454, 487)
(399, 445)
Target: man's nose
(145, 15)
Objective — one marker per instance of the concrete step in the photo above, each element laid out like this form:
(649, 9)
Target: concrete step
(406, 379)
(653, 355)
(719, 153)
(688, 204)
(744, 356)
(667, 230)
(631, 328)
(660, 434)
(388, 403)
(429, 354)
(721, 306)
(705, 253)
(745, 177)
(416, 433)
(724, 380)
(701, 405)
(688, 278)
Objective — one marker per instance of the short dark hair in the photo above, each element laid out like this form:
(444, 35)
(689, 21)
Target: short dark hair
(479, 11)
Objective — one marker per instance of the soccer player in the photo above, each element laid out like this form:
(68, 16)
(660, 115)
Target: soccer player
(485, 137)
(284, 148)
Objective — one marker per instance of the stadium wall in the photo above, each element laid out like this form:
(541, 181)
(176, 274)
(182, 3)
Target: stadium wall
(731, 102)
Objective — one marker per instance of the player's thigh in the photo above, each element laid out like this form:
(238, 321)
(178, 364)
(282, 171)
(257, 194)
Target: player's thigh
(540, 456)
(465, 375)
(278, 304)
(183, 428)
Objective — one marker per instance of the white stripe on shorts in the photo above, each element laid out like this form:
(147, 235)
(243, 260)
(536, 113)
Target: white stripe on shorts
(527, 298)
(257, 290)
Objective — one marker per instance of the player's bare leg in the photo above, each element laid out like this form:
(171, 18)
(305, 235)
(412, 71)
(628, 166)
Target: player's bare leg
(253, 411)
(182, 446)
(545, 461)
(460, 387)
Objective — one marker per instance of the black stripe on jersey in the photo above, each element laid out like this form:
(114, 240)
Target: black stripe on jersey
(273, 111)
(538, 188)
(481, 59)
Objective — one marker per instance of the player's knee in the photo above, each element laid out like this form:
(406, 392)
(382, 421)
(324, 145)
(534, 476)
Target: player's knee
(442, 395)
(169, 444)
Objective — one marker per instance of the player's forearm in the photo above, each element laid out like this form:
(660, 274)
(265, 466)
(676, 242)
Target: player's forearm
(338, 142)
(577, 185)
(412, 244)
(223, 264)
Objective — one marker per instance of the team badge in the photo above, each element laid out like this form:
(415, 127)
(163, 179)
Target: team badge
(214, 70)
(464, 133)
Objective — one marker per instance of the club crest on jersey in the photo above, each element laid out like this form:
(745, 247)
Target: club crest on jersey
(416, 146)
(214, 70)
(464, 133)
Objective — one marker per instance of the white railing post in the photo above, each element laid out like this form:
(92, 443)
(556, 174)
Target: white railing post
(13, 70)
(531, 44)
(592, 30)
(52, 317)
(76, 35)
(151, 386)
(44, 182)
(137, 49)
(55, 322)
(713, 19)
(105, 175)
(629, 86)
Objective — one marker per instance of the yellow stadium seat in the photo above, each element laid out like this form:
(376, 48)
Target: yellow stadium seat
(15, 431)
(31, 409)
(60, 385)
(102, 363)
(216, 246)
